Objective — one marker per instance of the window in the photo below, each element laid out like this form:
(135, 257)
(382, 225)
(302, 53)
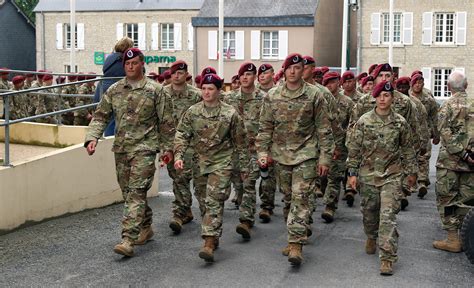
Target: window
(167, 36)
(229, 45)
(397, 27)
(270, 45)
(132, 32)
(67, 31)
(440, 88)
(444, 28)
(67, 69)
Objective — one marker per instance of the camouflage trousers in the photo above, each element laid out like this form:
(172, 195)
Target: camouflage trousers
(379, 207)
(183, 199)
(297, 183)
(267, 190)
(217, 192)
(237, 183)
(135, 172)
(336, 177)
(424, 166)
(452, 189)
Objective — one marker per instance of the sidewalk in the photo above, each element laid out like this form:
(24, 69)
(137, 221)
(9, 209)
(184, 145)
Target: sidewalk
(22, 152)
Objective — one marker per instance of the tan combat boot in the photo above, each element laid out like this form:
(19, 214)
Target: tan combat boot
(349, 197)
(370, 246)
(207, 251)
(319, 193)
(451, 244)
(265, 215)
(328, 214)
(124, 248)
(386, 268)
(286, 250)
(244, 229)
(145, 235)
(176, 224)
(294, 256)
(188, 217)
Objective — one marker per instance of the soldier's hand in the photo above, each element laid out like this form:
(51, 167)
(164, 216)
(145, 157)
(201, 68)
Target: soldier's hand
(411, 180)
(244, 175)
(352, 182)
(323, 170)
(89, 117)
(91, 147)
(336, 154)
(436, 141)
(179, 164)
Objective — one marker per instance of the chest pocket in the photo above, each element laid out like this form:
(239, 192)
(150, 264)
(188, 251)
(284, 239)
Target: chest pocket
(211, 131)
(390, 137)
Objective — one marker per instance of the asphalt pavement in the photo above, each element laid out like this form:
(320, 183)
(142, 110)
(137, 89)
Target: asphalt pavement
(76, 251)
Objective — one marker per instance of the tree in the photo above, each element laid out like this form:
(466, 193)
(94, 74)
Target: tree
(27, 7)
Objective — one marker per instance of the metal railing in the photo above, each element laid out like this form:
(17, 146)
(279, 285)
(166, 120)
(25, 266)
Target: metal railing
(12, 93)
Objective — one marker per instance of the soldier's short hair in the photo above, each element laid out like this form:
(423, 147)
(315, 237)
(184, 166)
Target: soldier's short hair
(457, 81)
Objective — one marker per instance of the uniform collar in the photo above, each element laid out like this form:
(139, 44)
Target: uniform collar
(137, 85)
(285, 92)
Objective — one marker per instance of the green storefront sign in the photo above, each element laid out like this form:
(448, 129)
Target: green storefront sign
(99, 58)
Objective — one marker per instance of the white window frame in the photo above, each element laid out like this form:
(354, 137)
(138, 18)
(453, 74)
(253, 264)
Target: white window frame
(167, 36)
(67, 36)
(229, 36)
(131, 30)
(440, 82)
(444, 28)
(269, 55)
(396, 28)
(67, 69)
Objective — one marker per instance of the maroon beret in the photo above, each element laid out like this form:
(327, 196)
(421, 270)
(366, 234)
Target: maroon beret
(178, 65)
(81, 77)
(47, 77)
(166, 74)
(325, 69)
(381, 68)
(91, 75)
(198, 79)
(361, 76)
(208, 70)
(348, 75)
(234, 78)
(131, 53)
(4, 72)
(308, 60)
(189, 77)
(152, 75)
(366, 79)
(247, 67)
(18, 79)
(403, 80)
(382, 86)
(292, 59)
(29, 75)
(415, 78)
(60, 79)
(330, 76)
(371, 68)
(317, 72)
(40, 76)
(72, 77)
(264, 67)
(160, 78)
(212, 79)
(416, 72)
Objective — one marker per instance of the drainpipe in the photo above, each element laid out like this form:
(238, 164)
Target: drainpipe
(43, 41)
(359, 39)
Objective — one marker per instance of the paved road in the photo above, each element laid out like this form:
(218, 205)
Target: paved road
(77, 251)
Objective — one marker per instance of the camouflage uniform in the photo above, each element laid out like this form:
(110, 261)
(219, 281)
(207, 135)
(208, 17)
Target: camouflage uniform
(69, 102)
(380, 150)
(181, 101)
(46, 104)
(214, 133)
(18, 106)
(80, 116)
(338, 167)
(248, 106)
(454, 177)
(293, 125)
(143, 125)
(356, 95)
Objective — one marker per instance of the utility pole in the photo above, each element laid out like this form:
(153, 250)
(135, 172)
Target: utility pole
(72, 30)
(220, 50)
(345, 21)
(390, 42)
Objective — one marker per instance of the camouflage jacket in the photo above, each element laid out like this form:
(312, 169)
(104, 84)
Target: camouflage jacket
(248, 107)
(456, 127)
(181, 100)
(344, 108)
(265, 90)
(214, 133)
(5, 85)
(294, 125)
(18, 106)
(45, 103)
(355, 96)
(422, 116)
(431, 109)
(143, 119)
(377, 147)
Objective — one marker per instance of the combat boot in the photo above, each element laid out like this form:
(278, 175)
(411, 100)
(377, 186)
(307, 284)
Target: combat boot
(286, 250)
(188, 217)
(349, 196)
(451, 244)
(386, 268)
(244, 229)
(286, 211)
(265, 215)
(294, 255)
(370, 246)
(404, 204)
(207, 251)
(422, 191)
(319, 193)
(145, 235)
(176, 224)
(328, 214)
(125, 247)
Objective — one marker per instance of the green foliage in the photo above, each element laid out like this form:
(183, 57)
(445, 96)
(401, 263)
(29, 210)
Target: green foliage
(27, 7)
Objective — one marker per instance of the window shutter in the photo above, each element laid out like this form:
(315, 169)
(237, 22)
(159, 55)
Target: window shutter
(375, 29)
(177, 36)
(461, 22)
(408, 28)
(427, 35)
(80, 36)
(119, 31)
(59, 35)
(190, 37)
(427, 76)
(239, 45)
(154, 36)
(282, 44)
(212, 44)
(142, 36)
(255, 44)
